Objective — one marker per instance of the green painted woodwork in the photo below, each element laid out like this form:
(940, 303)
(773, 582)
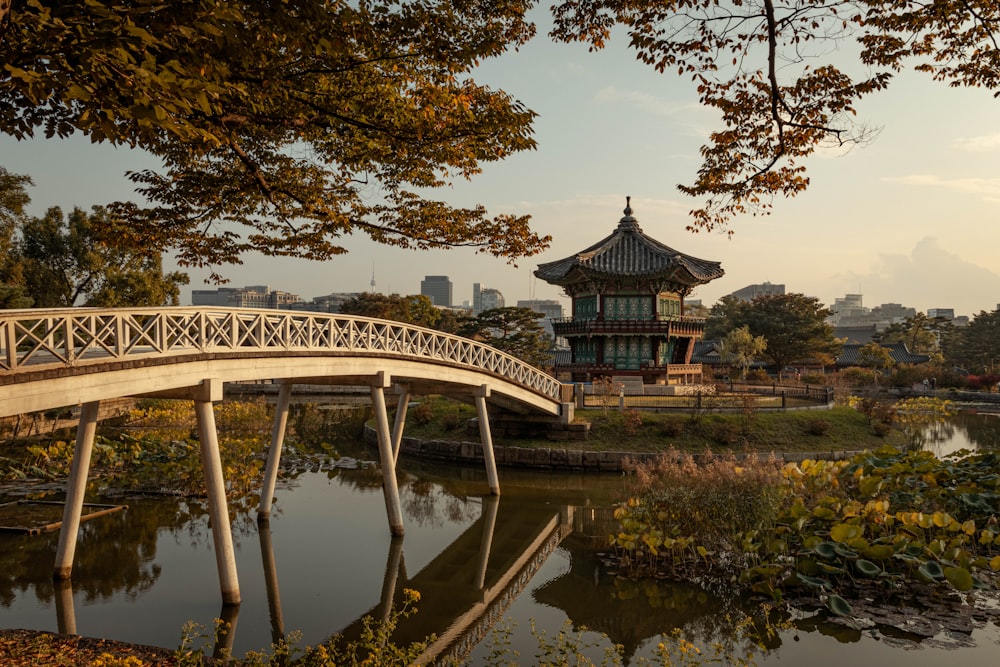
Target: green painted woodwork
(666, 351)
(669, 306)
(627, 352)
(586, 351)
(631, 307)
(585, 308)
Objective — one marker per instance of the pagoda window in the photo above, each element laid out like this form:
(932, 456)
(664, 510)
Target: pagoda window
(666, 351)
(585, 308)
(586, 351)
(632, 307)
(627, 352)
(670, 306)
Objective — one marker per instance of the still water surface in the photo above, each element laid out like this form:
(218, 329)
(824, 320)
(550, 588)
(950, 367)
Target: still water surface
(326, 559)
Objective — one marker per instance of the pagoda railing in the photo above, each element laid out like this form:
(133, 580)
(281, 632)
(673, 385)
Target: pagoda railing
(609, 369)
(668, 326)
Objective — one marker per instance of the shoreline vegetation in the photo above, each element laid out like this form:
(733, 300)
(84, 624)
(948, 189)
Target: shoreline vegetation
(828, 531)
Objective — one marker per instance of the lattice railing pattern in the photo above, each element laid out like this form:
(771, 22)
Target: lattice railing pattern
(41, 339)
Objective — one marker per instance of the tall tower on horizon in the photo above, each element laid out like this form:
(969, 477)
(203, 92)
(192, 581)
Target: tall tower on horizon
(373, 278)
(438, 289)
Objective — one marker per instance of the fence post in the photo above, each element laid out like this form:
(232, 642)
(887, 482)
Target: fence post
(784, 402)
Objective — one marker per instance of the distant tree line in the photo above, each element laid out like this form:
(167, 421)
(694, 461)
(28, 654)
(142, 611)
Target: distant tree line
(785, 329)
(59, 261)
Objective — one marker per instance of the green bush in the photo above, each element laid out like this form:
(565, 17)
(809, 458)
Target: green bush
(423, 414)
(818, 426)
(451, 420)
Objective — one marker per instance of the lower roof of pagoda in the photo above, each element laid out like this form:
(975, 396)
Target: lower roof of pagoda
(630, 257)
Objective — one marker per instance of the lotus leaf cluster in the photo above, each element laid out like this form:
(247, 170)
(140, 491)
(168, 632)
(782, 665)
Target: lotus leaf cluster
(885, 521)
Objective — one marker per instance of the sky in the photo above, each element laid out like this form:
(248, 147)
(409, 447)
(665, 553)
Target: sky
(912, 217)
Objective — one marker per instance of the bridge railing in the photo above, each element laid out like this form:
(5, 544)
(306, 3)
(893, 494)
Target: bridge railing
(40, 339)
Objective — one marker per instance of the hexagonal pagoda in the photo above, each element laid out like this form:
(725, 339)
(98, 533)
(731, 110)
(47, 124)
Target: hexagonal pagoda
(628, 318)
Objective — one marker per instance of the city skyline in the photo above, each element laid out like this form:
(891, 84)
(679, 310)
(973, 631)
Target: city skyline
(909, 218)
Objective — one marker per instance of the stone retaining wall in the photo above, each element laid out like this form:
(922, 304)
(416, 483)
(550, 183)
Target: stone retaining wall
(550, 458)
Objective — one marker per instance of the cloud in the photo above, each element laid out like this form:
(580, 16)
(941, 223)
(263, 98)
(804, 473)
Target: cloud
(928, 277)
(982, 144)
(643, 101)
(988, 188)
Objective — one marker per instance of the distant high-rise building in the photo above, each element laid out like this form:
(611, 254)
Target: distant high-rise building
(491, 298)
(251, 296)
(946, 313)
(477, 298)
(750, 292)
(438, 289)
(551, 309)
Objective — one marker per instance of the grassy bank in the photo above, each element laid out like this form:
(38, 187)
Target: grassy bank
(838, 429)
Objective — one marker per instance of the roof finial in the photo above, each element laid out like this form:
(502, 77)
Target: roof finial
(628, 206)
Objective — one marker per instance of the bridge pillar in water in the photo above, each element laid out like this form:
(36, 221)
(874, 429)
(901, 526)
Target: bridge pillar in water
(390, 488)
(218, 510)
(75, 490)
(274, 452)
(482, 393)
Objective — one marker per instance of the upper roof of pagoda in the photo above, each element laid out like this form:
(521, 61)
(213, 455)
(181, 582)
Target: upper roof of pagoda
(630, 255)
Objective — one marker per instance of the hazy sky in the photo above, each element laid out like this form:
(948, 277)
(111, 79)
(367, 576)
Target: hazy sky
(912, 217)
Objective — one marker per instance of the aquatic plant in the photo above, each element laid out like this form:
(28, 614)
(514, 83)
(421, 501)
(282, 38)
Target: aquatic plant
(889, 520)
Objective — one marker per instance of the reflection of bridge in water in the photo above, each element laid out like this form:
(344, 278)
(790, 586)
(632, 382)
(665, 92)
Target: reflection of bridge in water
(469, 586)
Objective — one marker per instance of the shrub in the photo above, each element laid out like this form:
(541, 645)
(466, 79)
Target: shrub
(631, 422)
(758, 375)
(451, 420)
(881, 428)
(728, 434)
(671, 428)
(813, 378)
(818, 426)
(422, 414)
(857, 377)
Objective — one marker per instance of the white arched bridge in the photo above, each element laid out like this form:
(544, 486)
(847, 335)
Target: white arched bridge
(82, 356)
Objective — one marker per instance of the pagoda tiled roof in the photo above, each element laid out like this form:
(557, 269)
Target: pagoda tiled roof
(850, 355)
(630, 253)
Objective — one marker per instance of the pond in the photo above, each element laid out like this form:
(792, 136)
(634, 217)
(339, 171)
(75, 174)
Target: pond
(481, 564)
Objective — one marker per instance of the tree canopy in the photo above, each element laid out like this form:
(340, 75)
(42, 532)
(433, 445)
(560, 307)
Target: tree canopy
(921, 334)
(415, 309)
(777, 72)
(977, 346)
(59, 261)
(281, 126)
(513, 330)
(742, 348)
(794, 326)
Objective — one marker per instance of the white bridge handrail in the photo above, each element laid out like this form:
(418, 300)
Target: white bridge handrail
(41, 339)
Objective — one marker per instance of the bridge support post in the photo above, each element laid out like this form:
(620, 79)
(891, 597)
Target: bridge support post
(75, 490)
(271, 583)
(484, 433)
(390, 488)
(491, 505)
(397, 427)
(218, 510)
(392, 564)
(274, 452)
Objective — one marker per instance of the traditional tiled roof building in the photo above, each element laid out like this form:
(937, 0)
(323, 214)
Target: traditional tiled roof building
(628, 318)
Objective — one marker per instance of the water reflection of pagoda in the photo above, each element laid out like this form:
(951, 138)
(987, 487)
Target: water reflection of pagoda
(628, 318)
